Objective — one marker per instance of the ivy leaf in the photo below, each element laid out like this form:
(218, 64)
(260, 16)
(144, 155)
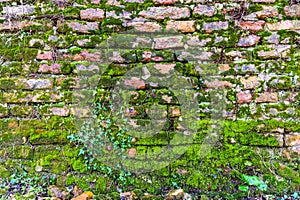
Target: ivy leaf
(243, 188)
(254, 180)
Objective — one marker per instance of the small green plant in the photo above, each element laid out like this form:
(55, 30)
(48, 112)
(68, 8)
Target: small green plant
(21, 183)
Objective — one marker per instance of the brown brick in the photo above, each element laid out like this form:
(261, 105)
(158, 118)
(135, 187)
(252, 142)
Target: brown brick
(244, 97)
(145, 26)
(284, 25)
(183, 26)
(251, 82)
(293, 10)
(204, 10)
(292, 140)
(214, 26)
(160, 13)
(251, 25)
(267, 97)
(94, 14)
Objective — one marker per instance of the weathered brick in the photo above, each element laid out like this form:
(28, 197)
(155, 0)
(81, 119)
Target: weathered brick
(32, 84)
(251, 25)
(284, 25)
(268, 11)
(52, 68)
(214, 26)
(218, 84)
(160, 13)
(244, 97)
(35, 97)
(168, 42)
(164, 68)
(248, 41)
(3, 110)
(292, 139)
(271, 97)
(145, 26)
(135, 83)
(18, 10)
(263, 1)
(251, 82)
(62, 111)
(44, 55)
(183, 26)
(204, 10)
(174, 112)
(94, 14)
(293, 10)
(84, 27)
(21, 111)
(165, 2)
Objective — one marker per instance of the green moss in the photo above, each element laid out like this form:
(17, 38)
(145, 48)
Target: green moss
(4, 173)
(70, 179)
(101, 185)
(255, 8)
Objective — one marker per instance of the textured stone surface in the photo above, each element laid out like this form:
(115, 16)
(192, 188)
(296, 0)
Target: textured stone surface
(284, 25)
(248, 41)
(292, 11)
(92, 14)
(18, 10)
(241, 54)
(183, 26)
(145, 26)
(267, 97)
(204, 10)
(160, 13)
(213, 26)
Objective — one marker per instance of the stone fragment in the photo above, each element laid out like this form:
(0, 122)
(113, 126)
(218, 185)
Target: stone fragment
(293, 10)
(248, 41)
(160, 13)
(274, 38)
(204, 10)
(76, 191)
(267, 97)
(175, 112)
(214, 26)
(131, 152)
(84, 196)
(57, 192)
(175, 194)
(33, 42)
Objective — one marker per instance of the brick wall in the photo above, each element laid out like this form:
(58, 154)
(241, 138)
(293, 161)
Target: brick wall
(252, 47)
